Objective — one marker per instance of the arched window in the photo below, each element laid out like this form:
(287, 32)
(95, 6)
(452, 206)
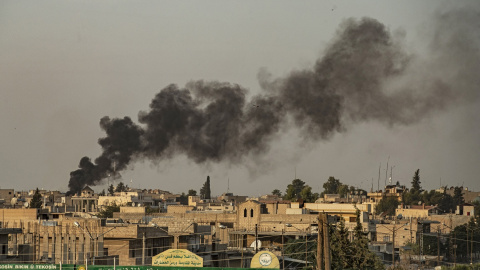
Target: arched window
(251, 212)
(245, 212)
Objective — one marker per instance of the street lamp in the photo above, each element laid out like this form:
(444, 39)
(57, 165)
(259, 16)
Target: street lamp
(89, 246)
(94, 240)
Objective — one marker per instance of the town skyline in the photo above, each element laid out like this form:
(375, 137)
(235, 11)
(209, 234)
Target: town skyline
(70, 66)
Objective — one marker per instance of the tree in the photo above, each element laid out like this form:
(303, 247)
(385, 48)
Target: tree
(294, 189)
(107, 212)
(36, 201)
(111, 190)
(192, 192)
(458, 196)
(102, 193)
(446, 204)
(331, 186)
(363, 258)
(416, 182)
(183, 199)
(307, 195)
(277, 192)
(340, 246)
(387, 205)
(353, 254)
(121, 187)
(205, 190)
(343, 190)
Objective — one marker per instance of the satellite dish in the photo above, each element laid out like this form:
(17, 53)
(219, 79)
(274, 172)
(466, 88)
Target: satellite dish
(13, 201)
(25, 204)
(256, 244)
(133, 204)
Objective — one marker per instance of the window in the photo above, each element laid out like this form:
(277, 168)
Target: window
(245, 212)
(251, 212)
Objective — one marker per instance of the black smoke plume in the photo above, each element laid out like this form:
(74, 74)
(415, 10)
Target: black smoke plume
(365, 74)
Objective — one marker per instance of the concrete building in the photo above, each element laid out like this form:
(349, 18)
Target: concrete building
(130, 198)
(6, 196)
(465, 209)
(416, 211)
(86, 202)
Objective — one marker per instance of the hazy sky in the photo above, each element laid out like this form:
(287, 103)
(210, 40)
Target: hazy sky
(66, 64)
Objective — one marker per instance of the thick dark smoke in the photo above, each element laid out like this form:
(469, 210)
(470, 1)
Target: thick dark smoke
(365, 74)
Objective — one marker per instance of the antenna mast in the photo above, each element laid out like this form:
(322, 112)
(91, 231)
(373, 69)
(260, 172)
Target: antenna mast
(378, 184)
(386, 171)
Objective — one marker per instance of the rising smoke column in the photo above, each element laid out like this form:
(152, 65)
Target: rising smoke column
(364, 75)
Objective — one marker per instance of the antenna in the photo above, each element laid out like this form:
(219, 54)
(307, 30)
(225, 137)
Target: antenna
(228, 185)
(378, 184)
(295, 173)
(386, 171)
(114, 171)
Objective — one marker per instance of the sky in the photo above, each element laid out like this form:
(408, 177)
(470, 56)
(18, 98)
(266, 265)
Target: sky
(67, 64)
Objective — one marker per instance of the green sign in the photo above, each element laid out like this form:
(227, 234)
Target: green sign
(105, 267)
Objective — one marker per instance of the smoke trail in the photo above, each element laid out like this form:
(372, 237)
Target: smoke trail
(365, 74)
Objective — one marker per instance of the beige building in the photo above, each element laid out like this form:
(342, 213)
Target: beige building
(416, 211)
(86, 202)
(131, 198)
(6, 196)
(80, 241)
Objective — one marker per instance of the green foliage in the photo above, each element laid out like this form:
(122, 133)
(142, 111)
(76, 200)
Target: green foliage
(192, 192)
(353, 254)
(416, 184)
(150, 210)
(307, 195)
(331, 186)
(458, 196)
(183, 199)
(343, 190)
(334, 186)
(293, 190)
(111, 190)
(387, 205)
(460, 233)
(277, 192)
(412, 197)
(36, 201)
(477, 209)
(102, 193)
(107, 211)
(205, 192)
(121, 187)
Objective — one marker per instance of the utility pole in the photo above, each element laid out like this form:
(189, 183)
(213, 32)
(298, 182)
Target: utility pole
(438, 246)
(393, 246)
(326, 242)
(283, 253)
(471, 249)
(306, 248)
(319, 242)
(256, 238)
(143, 249)
(467, 242)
